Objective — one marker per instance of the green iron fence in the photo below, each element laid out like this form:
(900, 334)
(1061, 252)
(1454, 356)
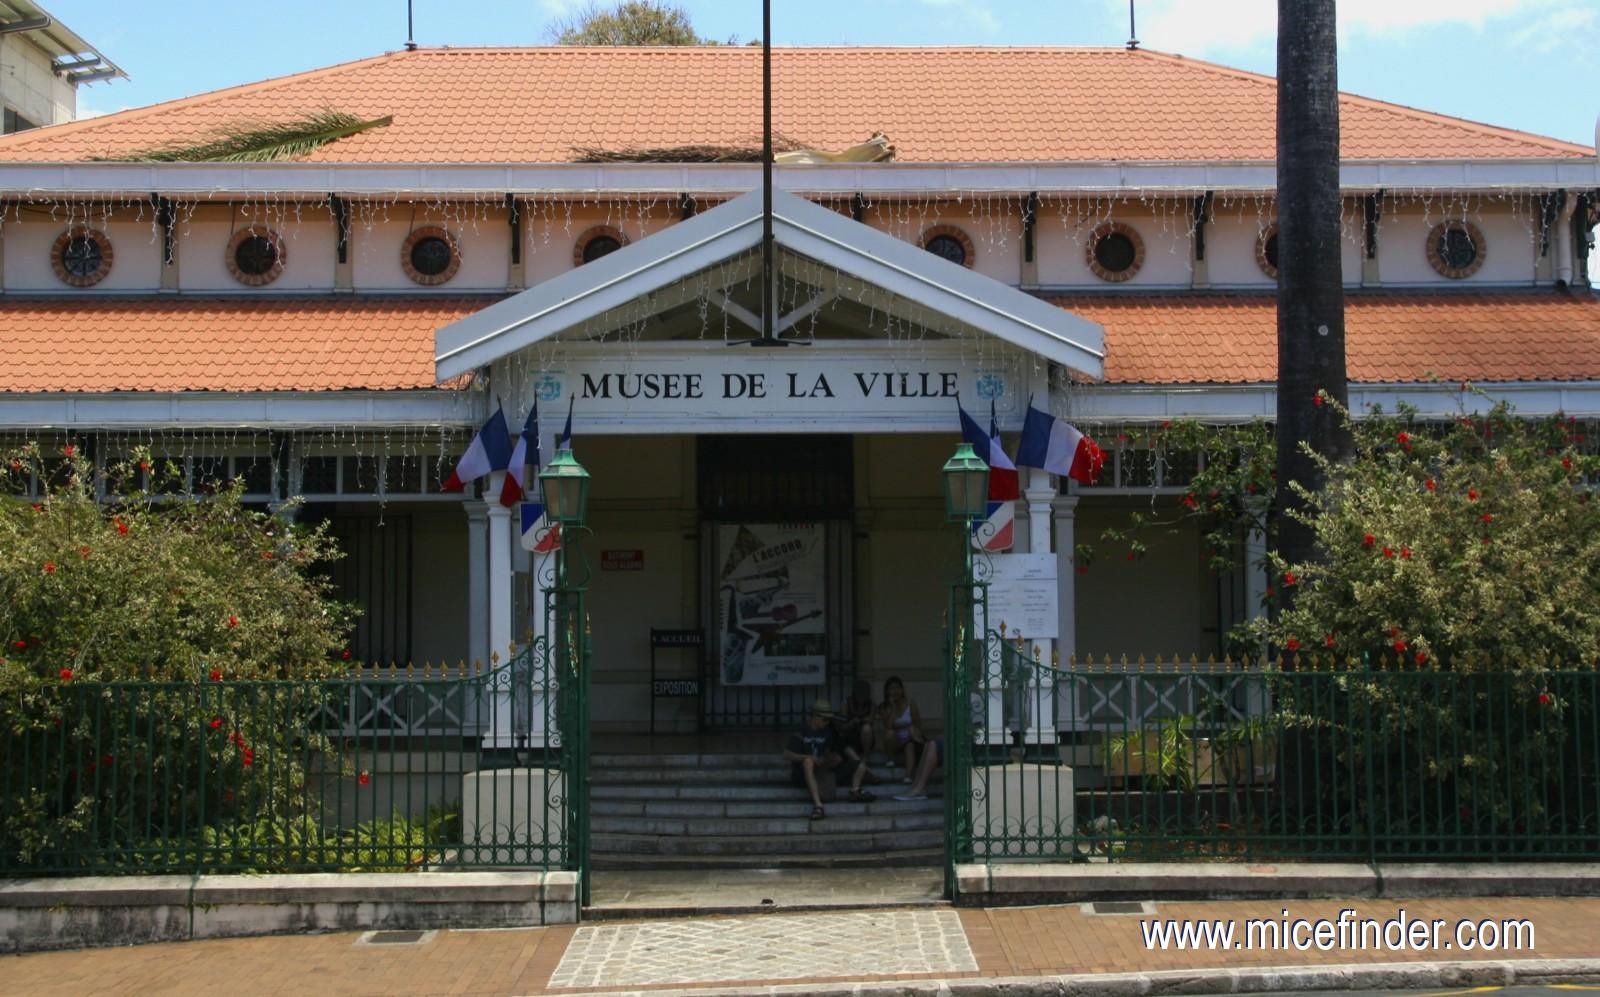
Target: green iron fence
(1311, 759)
(399, 769)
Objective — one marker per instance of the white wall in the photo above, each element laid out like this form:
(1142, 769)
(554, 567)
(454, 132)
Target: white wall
(309, 246)
(135, 246)
(1063, 239)
(481, 230)
(1510, 247)
(28, 86)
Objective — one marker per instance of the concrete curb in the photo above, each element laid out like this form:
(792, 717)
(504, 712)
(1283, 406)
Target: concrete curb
(1267, 979)
(1002, 883)
(43, 914)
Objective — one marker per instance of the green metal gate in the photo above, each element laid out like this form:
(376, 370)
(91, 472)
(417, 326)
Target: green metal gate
(967, 647)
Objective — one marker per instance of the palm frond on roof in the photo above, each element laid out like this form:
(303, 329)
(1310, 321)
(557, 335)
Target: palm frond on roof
(743, 152)
(260, 141)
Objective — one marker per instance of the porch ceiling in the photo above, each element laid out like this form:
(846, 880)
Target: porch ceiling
(837, 279)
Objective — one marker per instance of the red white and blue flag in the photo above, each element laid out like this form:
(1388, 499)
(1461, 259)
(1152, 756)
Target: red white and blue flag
(525, 453)
(997, 531)
(490, 451)
(1058, 447)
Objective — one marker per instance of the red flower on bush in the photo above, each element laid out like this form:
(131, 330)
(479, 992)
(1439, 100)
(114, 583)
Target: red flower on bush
(105, 761)
(144, 465)
(216, 722)
(345, 654)
(364, 778)
(38, 507)
(1327, 641)
(1369, 540)
(266, 555)
(66, 675)
(1288, 578)
(1544, 699)
(122, 527)
(1405, 553)
(83, 552)
(1083, 569)
(1566, 463)
(233, 621)
(1421, 657)
(215, 675)
(1399, 645)
(1403, 436)
(16, 465)
(49, 567)
(1388, 552)
(1429, 484)
(1316, 399)
(1488, 517)
(1189, 501)
(248, 757)
(69, 451)
(19, 644)
(1472, 494)
(1292, 644)
(1394, 631)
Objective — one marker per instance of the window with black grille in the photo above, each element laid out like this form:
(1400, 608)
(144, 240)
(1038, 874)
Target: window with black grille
(775, 478)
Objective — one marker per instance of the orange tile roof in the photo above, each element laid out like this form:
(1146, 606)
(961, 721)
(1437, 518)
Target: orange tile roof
(240, 343)
(236, 343)
(1390, 336)
(936, 104)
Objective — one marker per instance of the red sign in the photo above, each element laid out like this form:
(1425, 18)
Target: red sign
(622, 560)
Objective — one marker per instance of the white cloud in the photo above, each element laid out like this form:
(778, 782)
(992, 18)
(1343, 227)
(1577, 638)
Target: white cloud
(1549, 32)
(1198, 27)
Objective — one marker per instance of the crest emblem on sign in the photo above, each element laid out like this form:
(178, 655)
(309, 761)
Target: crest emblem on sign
(548, 388)
(991, 386)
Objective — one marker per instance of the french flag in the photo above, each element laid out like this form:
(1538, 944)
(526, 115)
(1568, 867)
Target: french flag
(1003, 483)
(1056, 446)
(525, 453)
(490, 451)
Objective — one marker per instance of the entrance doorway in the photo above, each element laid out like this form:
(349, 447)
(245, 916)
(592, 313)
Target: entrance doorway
(777, 574)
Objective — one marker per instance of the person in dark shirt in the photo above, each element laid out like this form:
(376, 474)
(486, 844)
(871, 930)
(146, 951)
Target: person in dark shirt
(816, 747)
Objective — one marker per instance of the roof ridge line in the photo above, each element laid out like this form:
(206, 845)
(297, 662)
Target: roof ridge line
(1392, 107)
(22, 139)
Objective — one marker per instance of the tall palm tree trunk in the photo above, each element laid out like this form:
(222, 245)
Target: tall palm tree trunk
(1310, 280)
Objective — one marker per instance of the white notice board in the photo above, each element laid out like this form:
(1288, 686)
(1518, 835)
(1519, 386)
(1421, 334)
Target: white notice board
(1022, 595)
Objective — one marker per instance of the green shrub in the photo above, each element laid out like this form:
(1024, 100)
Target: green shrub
(191, 596)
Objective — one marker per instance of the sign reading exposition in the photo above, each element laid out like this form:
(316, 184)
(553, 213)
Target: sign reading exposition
(769, 614)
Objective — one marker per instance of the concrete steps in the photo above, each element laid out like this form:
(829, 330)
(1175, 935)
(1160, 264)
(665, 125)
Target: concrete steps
(738, 811)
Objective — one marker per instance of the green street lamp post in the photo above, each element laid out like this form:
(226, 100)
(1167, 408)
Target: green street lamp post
(966, 501)
(564, 483)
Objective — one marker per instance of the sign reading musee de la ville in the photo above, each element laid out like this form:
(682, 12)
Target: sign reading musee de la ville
(729, 385)
(906, 388)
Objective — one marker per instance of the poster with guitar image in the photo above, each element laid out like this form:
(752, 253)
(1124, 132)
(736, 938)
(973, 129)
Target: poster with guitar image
(770, 609)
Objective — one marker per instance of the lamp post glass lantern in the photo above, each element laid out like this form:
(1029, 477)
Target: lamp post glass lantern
(565, 484)
(966, 486)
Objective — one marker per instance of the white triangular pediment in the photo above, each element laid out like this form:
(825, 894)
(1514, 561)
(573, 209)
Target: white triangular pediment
(667, 259)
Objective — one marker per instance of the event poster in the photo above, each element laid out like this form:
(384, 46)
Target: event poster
(770, 611)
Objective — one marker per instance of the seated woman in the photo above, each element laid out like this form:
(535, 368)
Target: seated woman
(901, 723)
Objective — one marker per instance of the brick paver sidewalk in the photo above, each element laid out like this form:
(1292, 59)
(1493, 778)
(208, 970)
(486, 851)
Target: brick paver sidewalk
(757, 949)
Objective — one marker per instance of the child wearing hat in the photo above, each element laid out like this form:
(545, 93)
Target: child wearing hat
(816, 747)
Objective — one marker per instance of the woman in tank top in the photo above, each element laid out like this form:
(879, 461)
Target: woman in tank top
(902, 725)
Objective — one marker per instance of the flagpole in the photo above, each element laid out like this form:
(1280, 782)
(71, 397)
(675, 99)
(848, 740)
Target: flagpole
(767, 318)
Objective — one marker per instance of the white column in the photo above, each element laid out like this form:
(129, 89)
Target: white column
(1041, 689)
(500, 580)
(1065, 508)
(1255, 593)
(477, 582)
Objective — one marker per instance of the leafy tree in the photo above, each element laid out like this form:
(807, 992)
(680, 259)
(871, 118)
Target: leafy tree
(629, 22)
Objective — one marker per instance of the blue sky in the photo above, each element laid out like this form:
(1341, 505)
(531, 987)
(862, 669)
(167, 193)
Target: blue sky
(1529, 64)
